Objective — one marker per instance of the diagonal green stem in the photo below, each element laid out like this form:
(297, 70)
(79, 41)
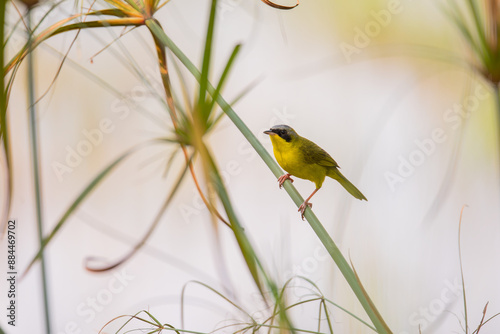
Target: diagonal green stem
(36, 171)
(316, 225)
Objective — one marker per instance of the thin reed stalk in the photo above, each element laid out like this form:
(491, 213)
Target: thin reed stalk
(35, 161)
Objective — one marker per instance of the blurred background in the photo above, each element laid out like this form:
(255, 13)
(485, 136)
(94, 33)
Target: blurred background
(386, 87)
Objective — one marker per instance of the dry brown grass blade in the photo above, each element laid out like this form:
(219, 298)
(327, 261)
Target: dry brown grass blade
(145, 238)
(43, 36)
(275, 5)
(481, 323)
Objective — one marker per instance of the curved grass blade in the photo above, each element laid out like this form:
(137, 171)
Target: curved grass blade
(81, 197)
(142, 242)
(17, 59)
(130, 318)
(319, 297)
(60, 27)
(183, 293)
(275, 5)
(335, 304)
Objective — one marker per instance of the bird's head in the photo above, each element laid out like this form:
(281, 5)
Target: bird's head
(282, 131)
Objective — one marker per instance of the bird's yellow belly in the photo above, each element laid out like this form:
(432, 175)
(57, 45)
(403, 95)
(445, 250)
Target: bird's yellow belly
(293, 163)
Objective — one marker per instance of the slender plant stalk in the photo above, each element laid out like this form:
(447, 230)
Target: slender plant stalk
(36, 170)
(462, 270)
(4, 133)
(316, 225)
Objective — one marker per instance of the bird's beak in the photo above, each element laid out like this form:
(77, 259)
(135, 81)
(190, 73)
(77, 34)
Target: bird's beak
(269, 132)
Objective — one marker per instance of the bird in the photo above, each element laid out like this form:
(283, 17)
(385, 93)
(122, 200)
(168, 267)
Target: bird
(302, 158)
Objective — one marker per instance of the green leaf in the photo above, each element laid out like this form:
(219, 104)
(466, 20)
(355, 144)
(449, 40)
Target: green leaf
(223, 78)
(480, 29)
(206, 62)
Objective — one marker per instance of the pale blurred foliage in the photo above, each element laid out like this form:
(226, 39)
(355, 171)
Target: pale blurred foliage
(366, 113)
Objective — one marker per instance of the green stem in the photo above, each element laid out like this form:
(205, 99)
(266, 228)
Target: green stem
(36, 170)
(316, 225)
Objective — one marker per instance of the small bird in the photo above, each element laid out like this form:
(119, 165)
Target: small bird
(304, 159)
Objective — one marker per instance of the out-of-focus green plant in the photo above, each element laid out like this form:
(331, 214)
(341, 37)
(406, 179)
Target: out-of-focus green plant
(478, 23)
(245, 322)
(479, 27)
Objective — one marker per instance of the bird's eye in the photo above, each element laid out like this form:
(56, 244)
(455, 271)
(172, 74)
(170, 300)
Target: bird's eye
(282, 132)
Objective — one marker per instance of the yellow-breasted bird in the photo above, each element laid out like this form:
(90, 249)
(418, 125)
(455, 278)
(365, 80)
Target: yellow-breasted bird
(304, 159)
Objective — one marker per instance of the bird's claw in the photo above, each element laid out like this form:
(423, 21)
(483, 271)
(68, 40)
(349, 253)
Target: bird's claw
(302, 208)
(283, 178)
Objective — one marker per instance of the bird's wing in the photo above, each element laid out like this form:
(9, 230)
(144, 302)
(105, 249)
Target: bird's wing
(313, 154)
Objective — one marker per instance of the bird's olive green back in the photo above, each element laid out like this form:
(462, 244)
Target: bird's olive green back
(313, 154)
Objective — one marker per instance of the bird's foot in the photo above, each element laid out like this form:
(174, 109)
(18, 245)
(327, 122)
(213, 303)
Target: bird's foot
(302, 208)
(283, 178)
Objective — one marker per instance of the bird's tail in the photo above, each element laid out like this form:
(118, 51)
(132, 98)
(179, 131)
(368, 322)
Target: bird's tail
(335, 174)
